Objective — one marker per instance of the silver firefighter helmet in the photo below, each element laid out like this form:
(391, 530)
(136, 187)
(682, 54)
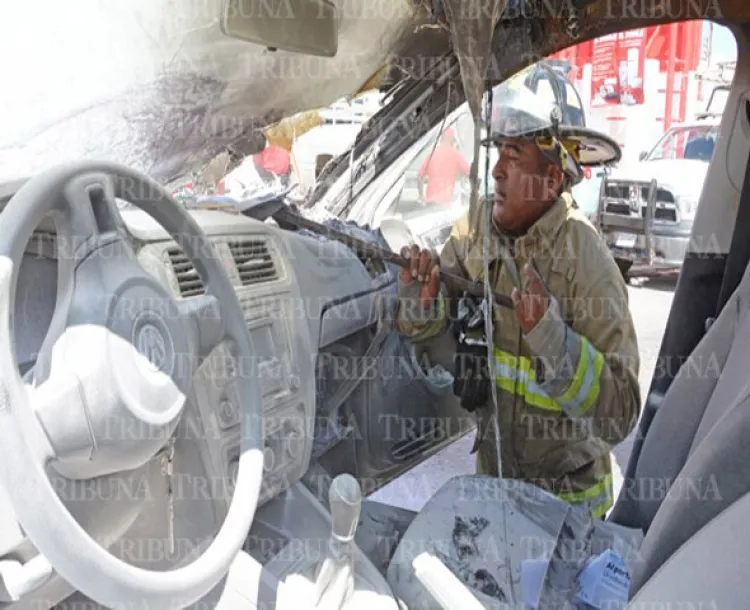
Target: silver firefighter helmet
(521, 109)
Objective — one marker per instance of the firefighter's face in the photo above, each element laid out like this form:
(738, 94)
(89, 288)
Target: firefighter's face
(526, 185)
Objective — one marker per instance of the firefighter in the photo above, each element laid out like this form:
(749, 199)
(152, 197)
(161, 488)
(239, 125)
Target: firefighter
(565, 356)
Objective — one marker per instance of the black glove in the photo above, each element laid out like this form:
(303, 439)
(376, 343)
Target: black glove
(471, 376)
(471, 380)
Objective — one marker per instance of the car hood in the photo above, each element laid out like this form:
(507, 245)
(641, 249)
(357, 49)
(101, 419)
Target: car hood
(155, 85)
(683, 177)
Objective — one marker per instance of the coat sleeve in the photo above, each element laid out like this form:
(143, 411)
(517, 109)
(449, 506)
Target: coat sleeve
(591, 368)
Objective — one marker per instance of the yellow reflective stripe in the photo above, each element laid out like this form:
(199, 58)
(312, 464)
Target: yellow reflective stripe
(583, 364)
(599, 498)
(594, 393)
(517, 375)
(531, 397)
(584, 390)
(433, 328)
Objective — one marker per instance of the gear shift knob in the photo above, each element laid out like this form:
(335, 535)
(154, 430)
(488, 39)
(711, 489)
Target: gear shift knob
(345, 499)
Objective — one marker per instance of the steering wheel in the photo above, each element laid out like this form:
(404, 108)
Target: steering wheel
(120, 349)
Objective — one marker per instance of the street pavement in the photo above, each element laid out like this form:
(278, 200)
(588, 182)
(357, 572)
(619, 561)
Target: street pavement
(649, 303)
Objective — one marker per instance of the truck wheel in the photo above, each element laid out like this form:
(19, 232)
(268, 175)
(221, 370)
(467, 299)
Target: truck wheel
(624, 265)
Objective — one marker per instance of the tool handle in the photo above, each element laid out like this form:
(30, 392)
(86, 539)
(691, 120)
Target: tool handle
(474, 288)
(364, 248)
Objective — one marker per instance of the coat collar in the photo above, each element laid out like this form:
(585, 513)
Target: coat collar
(537, 239)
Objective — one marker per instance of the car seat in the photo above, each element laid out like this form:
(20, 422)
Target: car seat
(693, 463)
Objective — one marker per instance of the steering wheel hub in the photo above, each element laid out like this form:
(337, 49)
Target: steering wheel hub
(152, 339)
(150, 351)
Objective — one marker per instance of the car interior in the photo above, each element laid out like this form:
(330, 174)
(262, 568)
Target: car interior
(195, 404)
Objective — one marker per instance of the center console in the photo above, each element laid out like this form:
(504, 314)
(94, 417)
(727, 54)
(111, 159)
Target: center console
(296, 294)
(316, 564)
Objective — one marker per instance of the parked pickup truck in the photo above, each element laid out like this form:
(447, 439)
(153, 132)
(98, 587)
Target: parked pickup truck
(646, 210)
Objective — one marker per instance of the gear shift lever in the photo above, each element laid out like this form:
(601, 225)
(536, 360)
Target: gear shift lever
(345, 499)
(335, 579)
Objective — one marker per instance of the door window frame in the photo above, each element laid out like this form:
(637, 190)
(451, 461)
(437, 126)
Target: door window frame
(386, 187)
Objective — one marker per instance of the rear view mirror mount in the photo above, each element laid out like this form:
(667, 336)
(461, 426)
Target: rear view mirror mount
(299, 26)
(320, 162)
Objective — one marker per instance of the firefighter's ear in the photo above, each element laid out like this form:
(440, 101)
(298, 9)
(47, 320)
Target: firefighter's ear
(554, 178)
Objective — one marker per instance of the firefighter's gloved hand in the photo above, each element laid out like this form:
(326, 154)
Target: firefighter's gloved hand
(471, 376)
(544, 329)
(419, 286)
(533, 301)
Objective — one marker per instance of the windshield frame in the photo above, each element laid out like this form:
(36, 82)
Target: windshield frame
(386, 136)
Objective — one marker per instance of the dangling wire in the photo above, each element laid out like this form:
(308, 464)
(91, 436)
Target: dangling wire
(488, 318)
(442, 123)
(489, 327)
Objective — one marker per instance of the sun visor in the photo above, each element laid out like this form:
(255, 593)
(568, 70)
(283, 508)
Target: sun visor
(286, 131)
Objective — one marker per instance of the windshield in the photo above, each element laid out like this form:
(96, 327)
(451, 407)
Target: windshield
(694, 142)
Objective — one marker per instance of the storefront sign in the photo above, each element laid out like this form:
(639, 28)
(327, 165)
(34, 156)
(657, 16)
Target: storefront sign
(617, 69)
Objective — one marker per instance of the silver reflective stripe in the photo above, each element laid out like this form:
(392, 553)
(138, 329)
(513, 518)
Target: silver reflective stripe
(524, 377)
(574, 405)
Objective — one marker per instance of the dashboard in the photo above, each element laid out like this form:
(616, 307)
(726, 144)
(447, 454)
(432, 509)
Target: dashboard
(299, 293)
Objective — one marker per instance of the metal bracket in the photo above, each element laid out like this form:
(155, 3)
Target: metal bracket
(600, 205)
(649, 221)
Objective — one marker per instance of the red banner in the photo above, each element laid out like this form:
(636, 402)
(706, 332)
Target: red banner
(631, 51)
(605, 90)
(617, 69)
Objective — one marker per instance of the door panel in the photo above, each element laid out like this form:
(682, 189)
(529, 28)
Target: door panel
(397, 415)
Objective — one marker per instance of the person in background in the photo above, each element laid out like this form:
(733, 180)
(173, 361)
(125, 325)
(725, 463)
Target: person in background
(276, 163)
(441, 169)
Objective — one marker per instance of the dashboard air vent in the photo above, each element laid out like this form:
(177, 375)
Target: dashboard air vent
(253, 260)
(188, 280)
